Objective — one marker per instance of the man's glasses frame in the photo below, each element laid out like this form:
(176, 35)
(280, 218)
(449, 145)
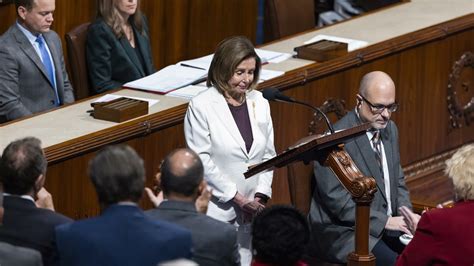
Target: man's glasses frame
(379, 108)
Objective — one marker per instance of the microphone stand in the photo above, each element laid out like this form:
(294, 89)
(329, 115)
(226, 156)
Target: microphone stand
(328, 123)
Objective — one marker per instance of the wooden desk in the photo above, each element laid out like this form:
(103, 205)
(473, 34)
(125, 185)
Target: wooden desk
(416, 43)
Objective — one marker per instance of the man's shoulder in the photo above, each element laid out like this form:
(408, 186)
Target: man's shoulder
(212, 228)
(9, 37)
(348, 120)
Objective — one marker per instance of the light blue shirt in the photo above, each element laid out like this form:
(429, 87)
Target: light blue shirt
(32, 39)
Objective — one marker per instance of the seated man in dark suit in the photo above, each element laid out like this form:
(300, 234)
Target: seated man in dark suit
(33, 76)
(214, 242)
(23, 169)
(122, 234)
(376, 154)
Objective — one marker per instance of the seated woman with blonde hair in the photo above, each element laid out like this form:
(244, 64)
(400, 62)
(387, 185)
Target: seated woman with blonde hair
(446, 236)
(118, 46)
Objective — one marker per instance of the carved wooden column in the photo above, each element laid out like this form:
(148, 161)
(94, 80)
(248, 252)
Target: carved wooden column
(362, 189)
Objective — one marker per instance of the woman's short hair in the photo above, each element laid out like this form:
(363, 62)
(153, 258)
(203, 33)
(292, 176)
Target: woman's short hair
(108, 11)
(229, 54)
(460, 168)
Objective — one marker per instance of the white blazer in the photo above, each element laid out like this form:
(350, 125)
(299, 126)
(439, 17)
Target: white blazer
(210, 130)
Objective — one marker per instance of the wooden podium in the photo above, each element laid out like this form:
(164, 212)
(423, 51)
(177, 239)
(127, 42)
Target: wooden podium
(329, 150)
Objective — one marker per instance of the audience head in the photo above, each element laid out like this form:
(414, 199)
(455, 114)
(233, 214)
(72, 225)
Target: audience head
(35, 15)
(118, 175)
(279, 235)
(182, 173)
(235, 67)
(460, 168)
(116, 13)
(376, 99)
(23, 167)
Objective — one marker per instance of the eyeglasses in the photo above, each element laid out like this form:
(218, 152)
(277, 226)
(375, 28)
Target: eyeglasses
(379, 108)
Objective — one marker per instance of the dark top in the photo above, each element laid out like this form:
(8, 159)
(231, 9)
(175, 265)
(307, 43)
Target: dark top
(121, 235)
(241, 118)
(112, 61)
(214, 242)
(26, 225)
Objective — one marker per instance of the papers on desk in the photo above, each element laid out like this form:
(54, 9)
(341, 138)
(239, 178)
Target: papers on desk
(266, 74)
(187, 92)
(111, 97)
(192, 72)
(351, 44)
(265, 55)
(271, 57)
(168, 79)
(201, 62)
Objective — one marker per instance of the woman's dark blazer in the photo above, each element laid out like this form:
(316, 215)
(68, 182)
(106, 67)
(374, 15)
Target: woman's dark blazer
(112, 61)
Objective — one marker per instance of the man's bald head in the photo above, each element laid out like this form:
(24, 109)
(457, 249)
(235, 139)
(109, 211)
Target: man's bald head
(375, 80)
(376, 89)
(181, 173)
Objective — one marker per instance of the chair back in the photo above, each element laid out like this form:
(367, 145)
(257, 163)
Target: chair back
(284, 18)
(76, 51)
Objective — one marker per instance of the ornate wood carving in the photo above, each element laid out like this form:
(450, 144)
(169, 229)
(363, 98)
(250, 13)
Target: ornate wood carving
(335, 106)
(460, 92)
(362, 189)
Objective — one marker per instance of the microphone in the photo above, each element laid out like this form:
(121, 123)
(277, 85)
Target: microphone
(273, 94)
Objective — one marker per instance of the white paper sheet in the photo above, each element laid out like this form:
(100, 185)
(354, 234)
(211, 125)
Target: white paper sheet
(187, 92)
(169, 78)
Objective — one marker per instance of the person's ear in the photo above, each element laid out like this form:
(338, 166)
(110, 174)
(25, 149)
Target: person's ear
(359, 100)
(158, 180)
(39, 183)
(202, 186)
(22, 11)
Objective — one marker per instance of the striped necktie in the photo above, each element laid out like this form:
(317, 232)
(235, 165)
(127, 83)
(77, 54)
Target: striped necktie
(376, 141)
(48, 65)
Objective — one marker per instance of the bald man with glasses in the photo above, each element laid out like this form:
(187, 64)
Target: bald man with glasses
(376, 154)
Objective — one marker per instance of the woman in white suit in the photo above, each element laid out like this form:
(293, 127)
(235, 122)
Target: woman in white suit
(230, 127)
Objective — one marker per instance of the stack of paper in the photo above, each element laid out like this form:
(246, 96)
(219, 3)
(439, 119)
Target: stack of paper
(169, 78)
(201, 62)
(187, 92)
(271, 57)
(265, 55)
(266, 74)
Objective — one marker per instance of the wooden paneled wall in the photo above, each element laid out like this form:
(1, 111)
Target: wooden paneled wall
(421, 75)
(180, 29)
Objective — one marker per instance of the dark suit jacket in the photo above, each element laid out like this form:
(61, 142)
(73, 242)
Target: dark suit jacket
(121, 235)
(24, 84)
(28, 226)
(112, 61)
(14, 255)
(332, 212)
(214, 242)
(443, 237)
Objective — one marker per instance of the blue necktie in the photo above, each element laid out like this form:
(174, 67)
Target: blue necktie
(48, 65)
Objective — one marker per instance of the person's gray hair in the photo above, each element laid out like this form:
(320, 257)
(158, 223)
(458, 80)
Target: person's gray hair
(460, 168)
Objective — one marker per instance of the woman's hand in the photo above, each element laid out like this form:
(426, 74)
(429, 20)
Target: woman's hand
(249, 208)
